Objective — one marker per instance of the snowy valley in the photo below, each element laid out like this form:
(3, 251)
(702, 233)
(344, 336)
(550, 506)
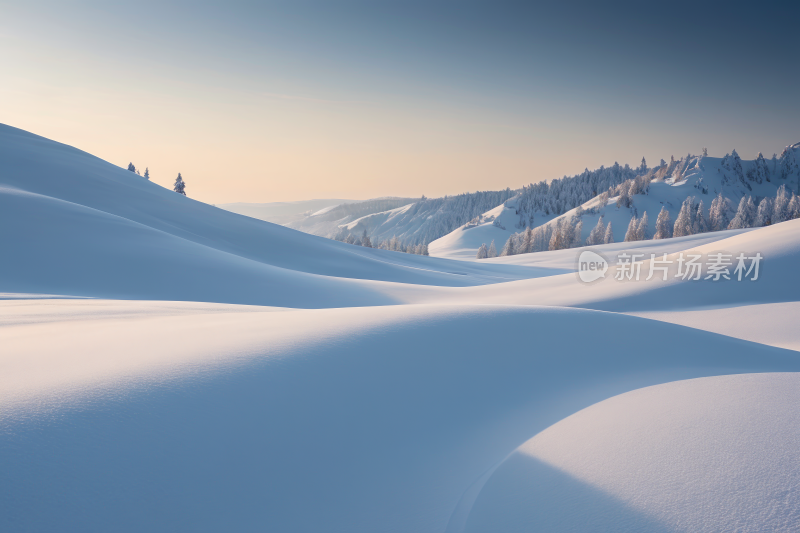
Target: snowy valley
(170, 365)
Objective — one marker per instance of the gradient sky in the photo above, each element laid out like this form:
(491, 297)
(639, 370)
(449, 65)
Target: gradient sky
(279, 101)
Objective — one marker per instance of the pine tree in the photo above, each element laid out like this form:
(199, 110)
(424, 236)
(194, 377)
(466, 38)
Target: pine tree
(527, 242)
(736, 165)
(624, 199)
(482, 252)
(641, 230)
(596, 235)
(760, 171)
(180, 185)
(684, 222)
(609, 236)
(508, 249)
(492, 250)
(663, 225)
(781, 205)
(577, 230)
(745, 214)
(788, 162)
(146, 173)
(365, 241)
(633, 229)
(764, 213)
(131, 167)
(557, 238)
(718, 215)
(700, 225)
(793, 210)
(643, 166)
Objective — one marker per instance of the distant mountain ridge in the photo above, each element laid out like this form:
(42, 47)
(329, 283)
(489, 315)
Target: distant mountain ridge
(618, 194)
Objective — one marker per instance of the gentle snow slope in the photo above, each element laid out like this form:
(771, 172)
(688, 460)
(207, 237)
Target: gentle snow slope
(85, 227)
(219, 418)
(710, 454)
(280, 212)
(779, 246)
(463, 243)
(189, 415)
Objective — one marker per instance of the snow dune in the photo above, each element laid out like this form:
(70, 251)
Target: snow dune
(779, 246)
(203, 417)
(367, 390)
(710, 454)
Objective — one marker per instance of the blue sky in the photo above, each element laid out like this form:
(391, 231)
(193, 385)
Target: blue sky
(273, 101)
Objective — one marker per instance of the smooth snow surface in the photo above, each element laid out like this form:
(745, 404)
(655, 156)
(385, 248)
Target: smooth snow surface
(206, 418)
(281, 212)
(703, 455)
(363, 390)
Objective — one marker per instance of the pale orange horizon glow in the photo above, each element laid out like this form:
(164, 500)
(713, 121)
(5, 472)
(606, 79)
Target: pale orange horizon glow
(285, 124)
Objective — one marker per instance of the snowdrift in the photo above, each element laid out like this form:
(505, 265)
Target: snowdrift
(209, 419)
(778, 244)
(709, 454)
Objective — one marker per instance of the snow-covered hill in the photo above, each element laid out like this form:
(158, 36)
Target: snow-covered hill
(595, 470)
(698, 178)
(494, 226)
(93, 229)
(282, 212)
(418, 395)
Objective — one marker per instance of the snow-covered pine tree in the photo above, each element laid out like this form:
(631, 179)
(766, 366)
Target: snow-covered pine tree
(180, 185)
(557, 238)
(794, 207)
(781, 205)
(577, 230)
(609, 236)
(146, 173)
(745, 214)
(527, 241)
(633, 229)
(492, 252)
(684, 222)
(365, 241)
(788, 162)
(132, 167)
(624, 199)
(602, 202)
(718, 214)
(508, 249)
(642, 231)
(700, 224)
(643, 166)
(764, 213)
(598, 232)
(759, 173)
(736, 165)
(663, 225)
